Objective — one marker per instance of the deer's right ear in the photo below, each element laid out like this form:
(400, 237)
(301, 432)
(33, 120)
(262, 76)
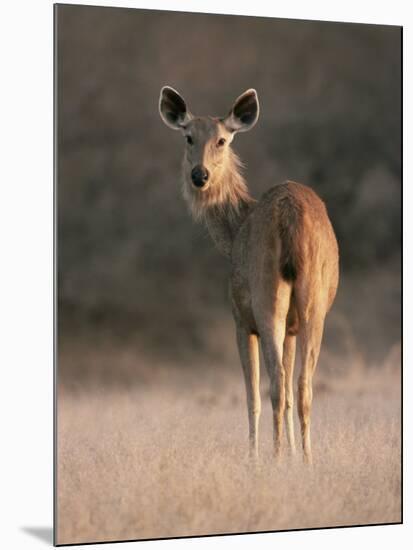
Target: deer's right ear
(173, 109)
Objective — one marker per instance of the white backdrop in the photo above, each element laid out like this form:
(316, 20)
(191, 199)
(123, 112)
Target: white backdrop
(26, 242)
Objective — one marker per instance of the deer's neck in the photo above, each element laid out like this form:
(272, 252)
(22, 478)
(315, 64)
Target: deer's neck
(225, 204)
(224, 221)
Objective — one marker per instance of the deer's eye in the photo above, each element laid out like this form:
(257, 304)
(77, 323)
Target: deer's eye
(221, 142)
(189, 140)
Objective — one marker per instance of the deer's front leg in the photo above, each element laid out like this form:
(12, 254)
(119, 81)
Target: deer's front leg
(249, 355)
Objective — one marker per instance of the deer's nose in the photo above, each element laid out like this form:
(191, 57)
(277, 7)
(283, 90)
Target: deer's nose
(199, 176)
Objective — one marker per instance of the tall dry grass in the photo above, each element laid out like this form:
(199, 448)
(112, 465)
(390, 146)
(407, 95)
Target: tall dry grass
(167, 457)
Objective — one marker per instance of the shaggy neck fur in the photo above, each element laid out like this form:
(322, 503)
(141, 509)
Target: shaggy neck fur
(224, 205)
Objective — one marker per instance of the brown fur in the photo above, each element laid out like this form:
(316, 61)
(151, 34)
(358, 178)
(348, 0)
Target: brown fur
(284, 263)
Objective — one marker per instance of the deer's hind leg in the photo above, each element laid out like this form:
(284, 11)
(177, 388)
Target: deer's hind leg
(310, 336)
(248, 351)
(271, 320)
(288, 362)
(290, 343)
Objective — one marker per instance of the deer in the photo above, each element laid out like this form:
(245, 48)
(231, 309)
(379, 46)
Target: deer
(283, 256)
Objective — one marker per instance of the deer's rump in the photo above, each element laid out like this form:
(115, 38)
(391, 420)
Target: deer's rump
(288, 236)
(294, 217)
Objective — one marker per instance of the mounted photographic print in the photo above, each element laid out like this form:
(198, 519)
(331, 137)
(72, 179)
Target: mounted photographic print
(228, 274)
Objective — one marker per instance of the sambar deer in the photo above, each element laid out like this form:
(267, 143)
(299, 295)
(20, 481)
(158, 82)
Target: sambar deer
(283, 255)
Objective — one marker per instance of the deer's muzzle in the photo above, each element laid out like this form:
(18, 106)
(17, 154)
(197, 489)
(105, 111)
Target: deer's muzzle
(199, 176)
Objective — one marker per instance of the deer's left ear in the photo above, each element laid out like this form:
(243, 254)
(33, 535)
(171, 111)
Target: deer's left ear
(244, 113)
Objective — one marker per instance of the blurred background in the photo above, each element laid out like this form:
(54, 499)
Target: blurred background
(134, 272)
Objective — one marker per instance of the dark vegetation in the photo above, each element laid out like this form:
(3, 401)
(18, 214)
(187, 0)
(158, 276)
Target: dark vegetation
(131, 263)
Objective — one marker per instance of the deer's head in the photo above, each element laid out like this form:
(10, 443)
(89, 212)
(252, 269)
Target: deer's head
(207, 139)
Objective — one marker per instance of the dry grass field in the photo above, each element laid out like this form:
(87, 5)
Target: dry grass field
(163, 454)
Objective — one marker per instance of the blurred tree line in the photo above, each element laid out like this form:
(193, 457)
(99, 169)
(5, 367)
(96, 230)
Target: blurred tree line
(330, 96)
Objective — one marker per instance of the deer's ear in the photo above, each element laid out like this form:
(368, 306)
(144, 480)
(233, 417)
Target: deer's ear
(173, 109)
(244, 113)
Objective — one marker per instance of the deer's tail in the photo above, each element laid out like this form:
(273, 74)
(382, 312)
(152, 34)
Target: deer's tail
(289, 218)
